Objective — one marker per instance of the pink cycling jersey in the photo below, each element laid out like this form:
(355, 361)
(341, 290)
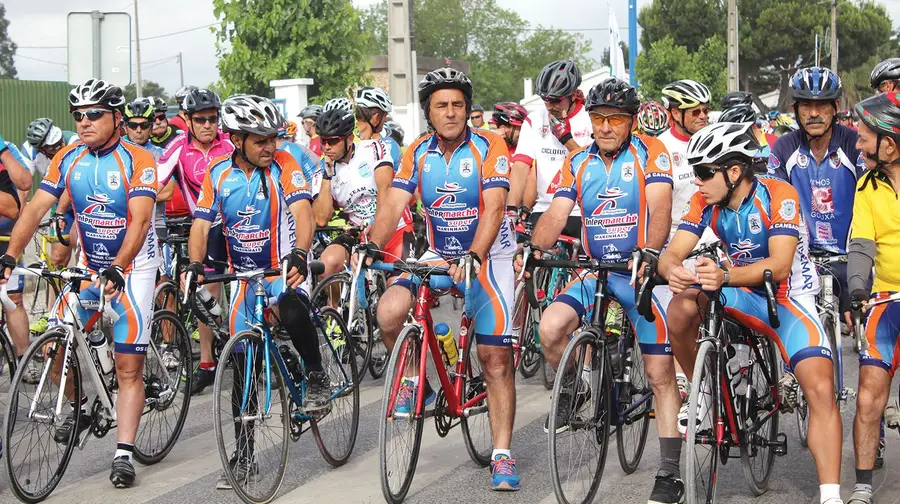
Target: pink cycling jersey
(189, 164)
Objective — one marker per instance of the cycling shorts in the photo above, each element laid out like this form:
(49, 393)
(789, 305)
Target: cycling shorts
(242, 306)
(799, 335)
(882, 329)
(135, 309)
(490, 303)
(652, 336)
(217, 248)
(573, 224)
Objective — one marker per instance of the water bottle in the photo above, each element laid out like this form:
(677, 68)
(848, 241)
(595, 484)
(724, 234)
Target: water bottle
(445, 336)
(615, 358)
(291, 363)
(740, 360)
(209, 302)
(102, 353)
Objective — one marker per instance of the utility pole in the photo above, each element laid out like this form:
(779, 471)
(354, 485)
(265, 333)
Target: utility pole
(632, 41)
(834, 39)
(733, 52)
(137, 49)
(180, 70)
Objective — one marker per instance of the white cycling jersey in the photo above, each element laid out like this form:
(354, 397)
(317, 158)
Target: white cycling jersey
(538, 144)
(353, 186)
(683, 187)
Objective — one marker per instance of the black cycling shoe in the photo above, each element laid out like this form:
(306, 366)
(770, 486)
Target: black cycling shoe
(64, 431)
(667, 490)
(318, 391)
(202, 378)
(122, 473)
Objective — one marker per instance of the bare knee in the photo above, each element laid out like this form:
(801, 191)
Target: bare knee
(129, 368)
(870, 401)
(496, 362)
(660, 370)
(682, 312)
(556, 323)
(393, 308)
(334, 258)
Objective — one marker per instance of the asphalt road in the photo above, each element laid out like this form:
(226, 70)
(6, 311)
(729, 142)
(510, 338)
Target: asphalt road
(445, 473)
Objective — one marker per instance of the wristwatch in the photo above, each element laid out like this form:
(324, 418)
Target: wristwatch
(727, 277)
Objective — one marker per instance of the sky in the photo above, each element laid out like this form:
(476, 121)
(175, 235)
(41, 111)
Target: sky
(35, 25)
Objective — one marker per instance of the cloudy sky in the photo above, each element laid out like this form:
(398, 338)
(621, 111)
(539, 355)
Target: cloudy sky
(172, 26)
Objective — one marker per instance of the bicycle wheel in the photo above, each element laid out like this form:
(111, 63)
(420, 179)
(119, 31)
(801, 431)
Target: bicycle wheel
(334, 292)
(400, 436)
(631, 433)
(702, 454)
(8, 365)
(530, 360)
(35, 462)
(828, 325)
(580, 418)
(166, 403)
(476, 428)
(252, 432)
(757, 456)
(379, 358)
(801, 413)
(336, 432)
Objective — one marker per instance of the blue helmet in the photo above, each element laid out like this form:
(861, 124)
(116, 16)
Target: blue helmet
(815, 83)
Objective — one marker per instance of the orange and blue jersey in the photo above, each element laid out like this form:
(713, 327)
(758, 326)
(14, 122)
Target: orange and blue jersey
(257, 224)
(451, 192)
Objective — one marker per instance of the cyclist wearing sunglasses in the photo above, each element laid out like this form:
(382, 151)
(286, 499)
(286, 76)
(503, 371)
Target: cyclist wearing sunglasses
(761, 225)
(886, 76)
(476, 117)
(623, 184)
(112, 185)
(507, 119)
(874, 241)
(373, 106)
(163, 133)
(547, 136)
(185, 162)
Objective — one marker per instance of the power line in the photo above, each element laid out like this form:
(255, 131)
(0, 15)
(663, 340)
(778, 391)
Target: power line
(41, 60)
(162, 35)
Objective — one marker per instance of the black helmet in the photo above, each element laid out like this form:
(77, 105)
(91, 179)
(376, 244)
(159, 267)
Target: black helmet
(613, 92)
(558, 80)
(140, 107)
(881, 114)
(37, 131)
(815, 83)
(336, 123)
(888, 69)
(737, 99)
(200, 99)
(477, 108)
(182, 92)
(739, 114)
(96, 92)
(444, 78)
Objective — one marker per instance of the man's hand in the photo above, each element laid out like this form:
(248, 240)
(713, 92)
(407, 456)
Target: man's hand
(115, 282)
(562, 130)
(198, 270)
(329, 168)
(519, 262)
(710, 275)
(681, 278)
(858, 298)
(512, 212)
(7, 264)
(458, 273)
(373, 253)
(297, 267)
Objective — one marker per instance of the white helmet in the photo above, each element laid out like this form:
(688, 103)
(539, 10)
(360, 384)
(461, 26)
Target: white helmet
(250, 114)
(369, 97)
(338, 104)
(721, 142)
(96, 92)
(685, 94)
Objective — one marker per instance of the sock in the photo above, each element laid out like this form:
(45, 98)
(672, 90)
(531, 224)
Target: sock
(863, 480)
(829, 491)
(670, 455)
(208, 366)
(500, 453)
(124, 450)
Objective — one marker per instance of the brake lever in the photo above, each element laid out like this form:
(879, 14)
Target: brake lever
(635, 265)
(468, 270)
(188, 279)
(526, 253)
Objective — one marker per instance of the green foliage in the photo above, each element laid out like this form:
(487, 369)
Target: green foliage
(665, 62)
(7, 48)
(148, 88)
(604, 60)
(263, 40)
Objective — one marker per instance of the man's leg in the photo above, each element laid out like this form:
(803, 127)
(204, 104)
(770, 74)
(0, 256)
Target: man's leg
(60, 254)
(558, 321)
(129, 405)
(391, 312)
(205, 374)
(17, 324)
(683, 321)
(874, 390)
(816, 378)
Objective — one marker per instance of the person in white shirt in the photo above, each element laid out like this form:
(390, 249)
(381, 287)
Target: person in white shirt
(546, 139)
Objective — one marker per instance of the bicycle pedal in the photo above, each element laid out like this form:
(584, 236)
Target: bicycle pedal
(779, 446)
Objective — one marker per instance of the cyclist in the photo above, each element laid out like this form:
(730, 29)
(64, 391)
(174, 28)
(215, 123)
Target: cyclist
(634, 173)
(736, 99)
(476, 117)
(652, 118)
(745, 114)
(186, 161)
(845, 118)
(113, 186)
(761, 225)
(373, 106)
(267, 184)
(508, 118)
(162, 133)
(309, 116)
(462, 176)
(886, 76)
(874, 240)
(179, 120)
(306, 158)
(290, 131)
(547, 136)
(138, 120)
(338, 104)
(396, 132)
(356, 177)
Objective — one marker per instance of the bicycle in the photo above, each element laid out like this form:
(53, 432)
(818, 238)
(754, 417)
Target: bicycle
(69, 361)
(463, 394)
(256, 382)
(46, 235)
(611, 366)
(734, 400)
(828, 305)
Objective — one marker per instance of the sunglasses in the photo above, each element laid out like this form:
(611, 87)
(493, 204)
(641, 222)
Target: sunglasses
(552, 101)
(205, 120)
(614, 120)
(476, 117)
(332, 140)
(138, 125)
(705, 173)
(160, 117)
(91, 114)
(697, 111)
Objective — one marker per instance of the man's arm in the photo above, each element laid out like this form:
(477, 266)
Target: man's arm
(552, 222)
(323, 207)
(304, 222)
(518, 177)
(9, 206)
(18, 173)
(28, 221)
(571, 145)
(659, 202)
(388, 214)
(384, 175)
(860, 259)
(198, 240)
(489, 221)
(65, 201)
(167, 192)
(530, 197)
(140, 209)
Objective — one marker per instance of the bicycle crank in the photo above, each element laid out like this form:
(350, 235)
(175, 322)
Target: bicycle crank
(443, 422)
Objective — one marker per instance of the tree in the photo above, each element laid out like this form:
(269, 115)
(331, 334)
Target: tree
(665, 62)
(148, 88)
(374, 18)
(7, 48)
(261, 40)
(604, 60)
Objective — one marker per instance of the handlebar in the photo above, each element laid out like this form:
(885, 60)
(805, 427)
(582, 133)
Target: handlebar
(69, 275)
(437, 277)
(771, 301)
(57, 226)
(593, 265)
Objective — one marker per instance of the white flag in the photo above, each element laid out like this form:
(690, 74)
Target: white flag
(616, 56)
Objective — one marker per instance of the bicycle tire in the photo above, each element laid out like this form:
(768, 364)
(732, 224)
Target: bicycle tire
(379, 356)
(530, 360)
(758, 481)
(8, 365)
(700, 482)
(54, 341)
(598, 426)
(801, 413)
(476, 429)
(408, 346)
(166, 384)
(339, 374)
(828, 326)
(361, 343)
(638, 421)
(223, 387)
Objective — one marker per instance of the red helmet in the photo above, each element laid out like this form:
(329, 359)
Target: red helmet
(509, 113)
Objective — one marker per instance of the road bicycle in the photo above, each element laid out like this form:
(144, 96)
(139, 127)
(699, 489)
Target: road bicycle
(71, 368)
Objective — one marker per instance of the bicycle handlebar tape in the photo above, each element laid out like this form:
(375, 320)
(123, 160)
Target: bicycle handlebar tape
(771, 301)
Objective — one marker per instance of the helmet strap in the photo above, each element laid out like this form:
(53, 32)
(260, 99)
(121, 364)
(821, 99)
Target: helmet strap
(680, 123)
(732, 186)
(348, 151)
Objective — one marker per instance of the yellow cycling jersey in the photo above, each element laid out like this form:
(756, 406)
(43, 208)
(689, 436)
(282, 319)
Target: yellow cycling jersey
(876, 217)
